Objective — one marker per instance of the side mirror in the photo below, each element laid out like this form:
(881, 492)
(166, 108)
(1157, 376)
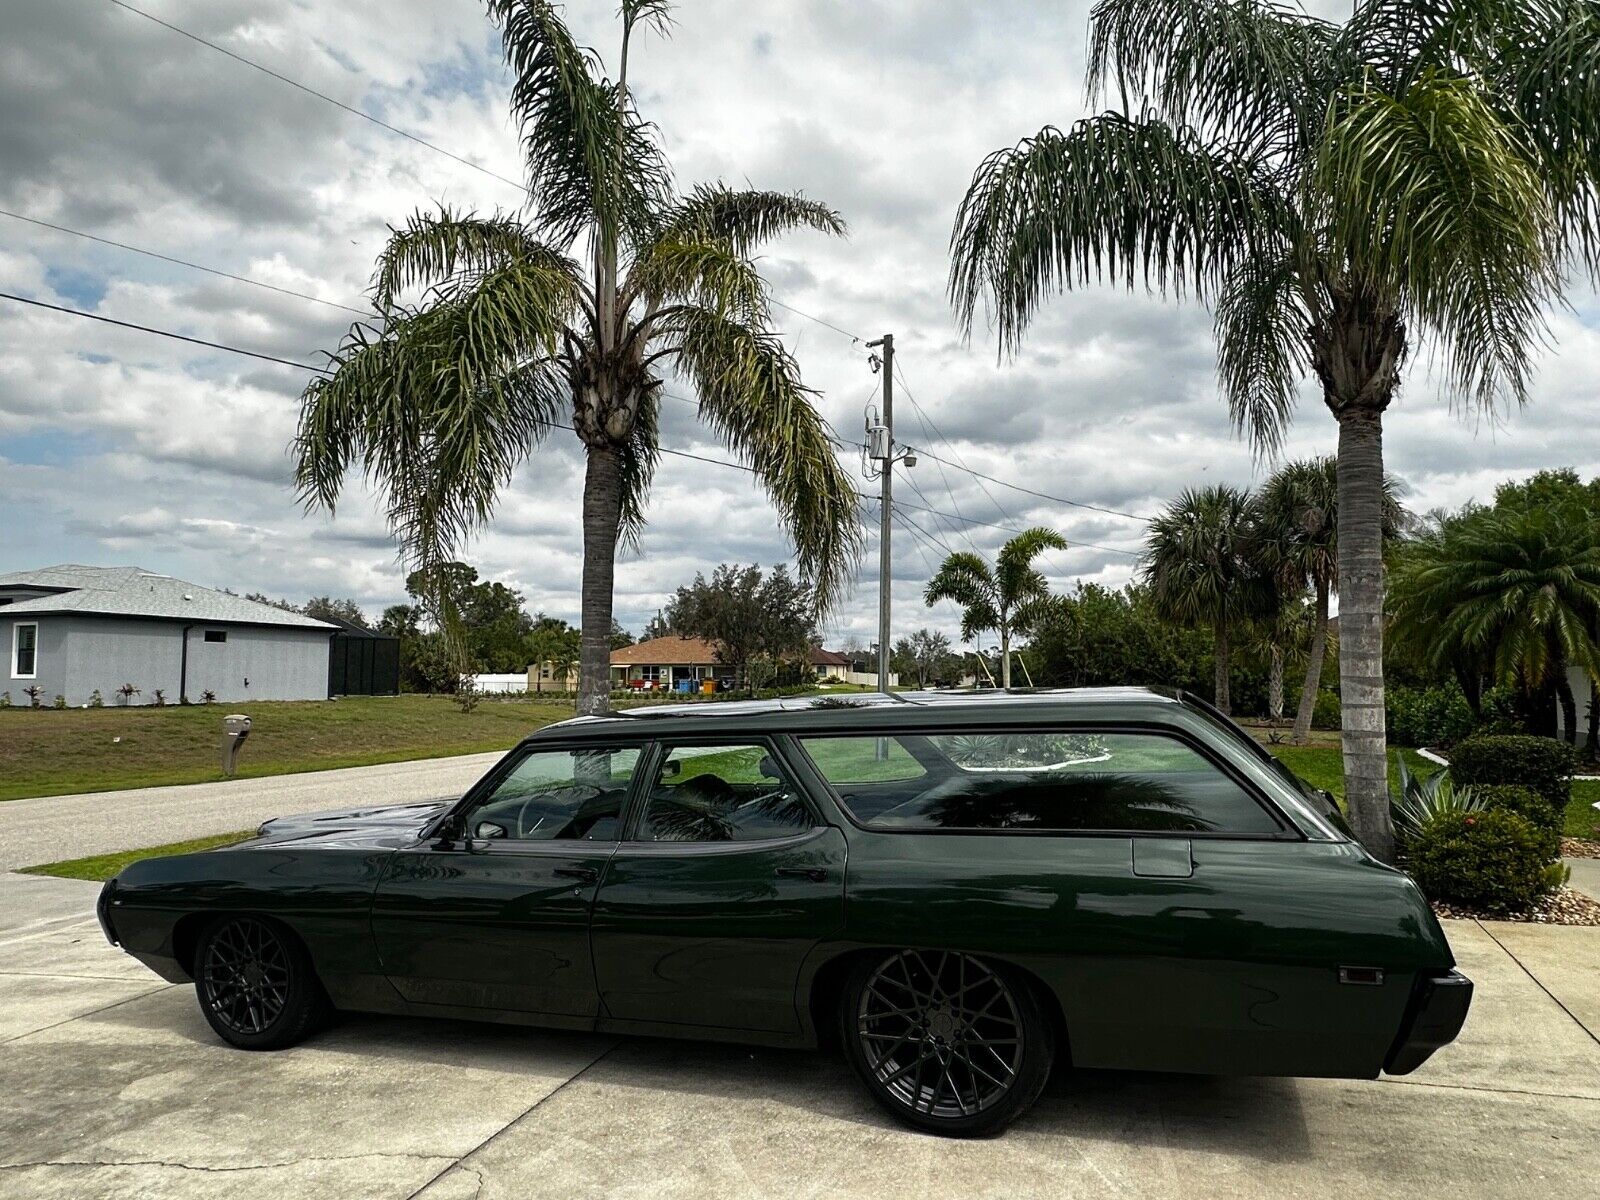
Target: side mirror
(671, 767)
(489, 831)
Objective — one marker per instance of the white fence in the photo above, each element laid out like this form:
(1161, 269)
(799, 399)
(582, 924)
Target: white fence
(501, 684)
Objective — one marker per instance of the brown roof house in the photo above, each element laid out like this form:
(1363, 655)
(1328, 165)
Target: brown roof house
(676, 664)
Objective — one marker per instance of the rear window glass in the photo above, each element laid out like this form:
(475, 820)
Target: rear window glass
(1036, 780)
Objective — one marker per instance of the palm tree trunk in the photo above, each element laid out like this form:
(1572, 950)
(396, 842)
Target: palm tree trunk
(602, 514)
(1224, 657)
(1005, 657)
(1569, 705)
(1594, 722)
(1366, 765)
(1314, 655)
(1275, 686)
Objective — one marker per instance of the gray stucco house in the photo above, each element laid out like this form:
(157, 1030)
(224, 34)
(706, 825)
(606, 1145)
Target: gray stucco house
(74, 630)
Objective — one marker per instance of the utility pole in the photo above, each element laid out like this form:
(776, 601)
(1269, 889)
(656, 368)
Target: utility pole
(887, 457)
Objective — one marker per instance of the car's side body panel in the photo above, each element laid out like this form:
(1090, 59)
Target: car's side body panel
(1286, 952)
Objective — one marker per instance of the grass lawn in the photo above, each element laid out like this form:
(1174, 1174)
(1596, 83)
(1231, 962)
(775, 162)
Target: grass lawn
(103, 866)
(45, 752)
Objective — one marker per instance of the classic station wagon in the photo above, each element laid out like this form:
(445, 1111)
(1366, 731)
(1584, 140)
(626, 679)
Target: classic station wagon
(963, 890)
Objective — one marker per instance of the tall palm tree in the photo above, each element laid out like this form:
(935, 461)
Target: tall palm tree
(1009, 598)
(1297, 545)
(1517, 587)
(1332, 191)
(1198, 563)
(574, 313)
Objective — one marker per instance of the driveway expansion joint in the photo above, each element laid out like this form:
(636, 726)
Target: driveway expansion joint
(1592, 1035)
(216, 1170)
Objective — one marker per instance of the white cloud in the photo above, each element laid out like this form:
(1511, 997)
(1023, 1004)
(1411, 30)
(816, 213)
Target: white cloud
(115, 446)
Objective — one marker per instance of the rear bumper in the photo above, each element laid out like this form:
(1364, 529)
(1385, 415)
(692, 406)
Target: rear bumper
(1437, 1010)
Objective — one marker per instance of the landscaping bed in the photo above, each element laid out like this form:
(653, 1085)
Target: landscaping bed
(1565, 906)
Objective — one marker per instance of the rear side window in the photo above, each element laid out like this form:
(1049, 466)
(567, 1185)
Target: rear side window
(1133, 782)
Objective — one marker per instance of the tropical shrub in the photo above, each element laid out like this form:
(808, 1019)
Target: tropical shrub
(35, 695)
(1492, 860)
(59, 702)
(1434, 716)
(126, 692)
(5, 699)
(96, 700)
(1421, 798)
(1543, 764)
(1531, 806)
(1325, 713)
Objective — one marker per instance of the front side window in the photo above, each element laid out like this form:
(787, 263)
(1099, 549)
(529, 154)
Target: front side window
(1036, 780)
(558, 795)
(24, 651)
(733, 793)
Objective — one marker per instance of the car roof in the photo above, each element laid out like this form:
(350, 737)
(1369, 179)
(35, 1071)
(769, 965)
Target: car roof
(875, 710)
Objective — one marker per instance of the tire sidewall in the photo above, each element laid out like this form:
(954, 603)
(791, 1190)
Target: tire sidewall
(301, 1012)
(1038, 1054)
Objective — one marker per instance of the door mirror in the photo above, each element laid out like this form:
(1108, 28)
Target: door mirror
(670, 768)
(488, 831)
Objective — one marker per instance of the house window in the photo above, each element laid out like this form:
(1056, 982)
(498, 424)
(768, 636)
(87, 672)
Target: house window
(24, 651)
(216, 635)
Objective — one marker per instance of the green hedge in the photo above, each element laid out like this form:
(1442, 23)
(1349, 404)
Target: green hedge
(1492, 860)
(1325, 712)
(1543, 764)
(1531, 807)
(1435, 716)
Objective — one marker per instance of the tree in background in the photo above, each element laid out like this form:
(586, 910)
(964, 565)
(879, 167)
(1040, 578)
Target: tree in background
(924, 656)
(1296, 516)
(1008, 599)
(554, 644)
(1333, 191)
(755, 621)
(656, 627)
(1514, 589)
(327, 608)
(492, 622)
(440, 401)
(1199, 567)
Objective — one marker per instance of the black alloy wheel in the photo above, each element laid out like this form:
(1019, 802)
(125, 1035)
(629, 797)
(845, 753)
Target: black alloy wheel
(946, 1042)
(255, 984)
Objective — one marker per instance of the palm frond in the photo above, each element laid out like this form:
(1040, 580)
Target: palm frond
(1434, 193)
(640, 455)
(966, 580)
(1245, 71)
(1014, 573)
(750, 393)
(1261, 322)
(436, 247)
(592, 163)
(704, 274)
(743, 220)
(1118, 199)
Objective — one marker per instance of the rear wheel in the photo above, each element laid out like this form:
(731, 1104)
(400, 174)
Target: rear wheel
(946, 1042)
(256, 985)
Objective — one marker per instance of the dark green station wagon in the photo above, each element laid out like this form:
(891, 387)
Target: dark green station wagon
(964, 890)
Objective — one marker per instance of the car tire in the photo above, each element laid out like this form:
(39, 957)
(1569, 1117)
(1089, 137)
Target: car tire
(946, 1043)
(256, 985)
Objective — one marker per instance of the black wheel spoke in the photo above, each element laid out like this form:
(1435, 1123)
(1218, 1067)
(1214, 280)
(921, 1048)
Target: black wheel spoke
(940, 1033)
(246, 976)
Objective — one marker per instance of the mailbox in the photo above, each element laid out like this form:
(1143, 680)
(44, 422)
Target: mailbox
(235, 729)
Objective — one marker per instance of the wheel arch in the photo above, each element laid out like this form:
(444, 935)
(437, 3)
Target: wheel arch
(826, 992)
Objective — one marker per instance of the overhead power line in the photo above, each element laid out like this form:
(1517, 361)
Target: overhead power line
(311, 91)
(166, 333)
(183, 262)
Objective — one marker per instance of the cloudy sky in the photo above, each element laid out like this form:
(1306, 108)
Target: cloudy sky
(119, 447)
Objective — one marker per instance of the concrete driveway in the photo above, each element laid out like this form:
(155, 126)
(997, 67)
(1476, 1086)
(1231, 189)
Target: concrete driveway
(113, 1086)
(53, 828)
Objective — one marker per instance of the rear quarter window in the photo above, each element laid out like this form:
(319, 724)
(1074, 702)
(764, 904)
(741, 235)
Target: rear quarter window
(1061, 781)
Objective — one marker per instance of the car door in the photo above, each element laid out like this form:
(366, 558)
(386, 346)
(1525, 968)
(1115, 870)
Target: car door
(498, 917)
(726, 880)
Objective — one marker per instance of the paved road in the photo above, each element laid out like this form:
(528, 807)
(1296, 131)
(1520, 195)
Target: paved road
(115, 1087)
(53, 828)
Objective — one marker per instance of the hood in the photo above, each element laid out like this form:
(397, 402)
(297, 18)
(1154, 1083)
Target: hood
(386, 824)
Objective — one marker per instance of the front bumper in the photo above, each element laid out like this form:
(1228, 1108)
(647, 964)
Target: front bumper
(1437, 1010)
(102, 910)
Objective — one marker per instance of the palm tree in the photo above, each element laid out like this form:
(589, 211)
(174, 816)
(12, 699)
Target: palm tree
(1296, 514)
(515, 334)
(1009, 598)
(1199, 566)
(1517, 588)
(1332, 191)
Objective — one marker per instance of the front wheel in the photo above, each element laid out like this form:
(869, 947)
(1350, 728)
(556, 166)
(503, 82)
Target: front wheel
(946, 1042)
(255, 983)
